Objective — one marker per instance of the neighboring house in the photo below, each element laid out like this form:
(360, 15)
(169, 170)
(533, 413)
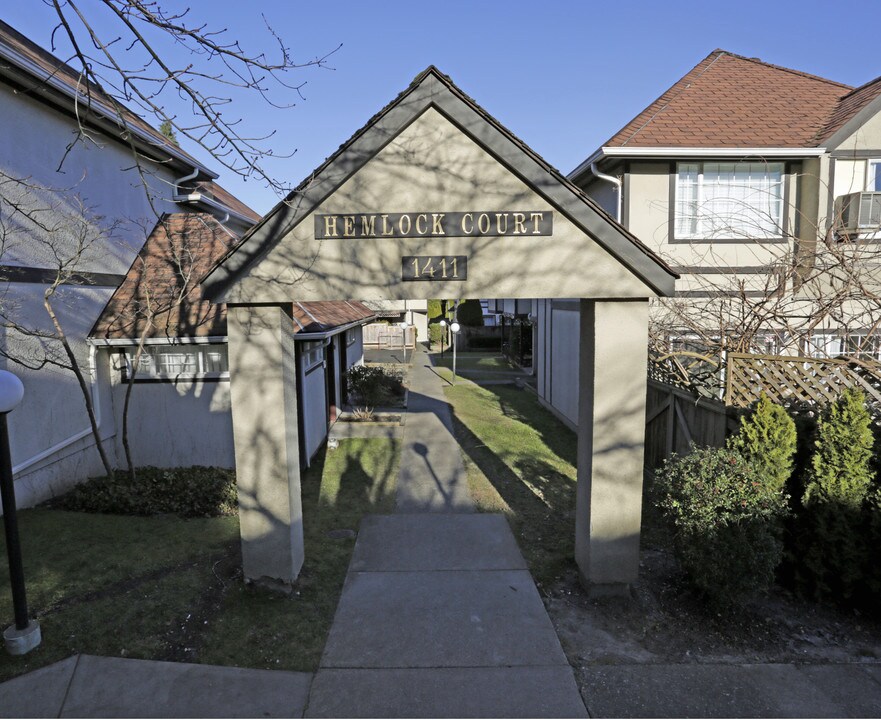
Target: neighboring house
(59, 189)
(757, 184)
(180, 406)
(392, 313)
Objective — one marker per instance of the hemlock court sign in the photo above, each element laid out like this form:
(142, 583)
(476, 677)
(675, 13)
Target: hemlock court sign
(349, 232)
(434, 224)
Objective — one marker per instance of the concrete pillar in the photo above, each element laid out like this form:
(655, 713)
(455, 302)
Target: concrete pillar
(263, 389)
(611, 437)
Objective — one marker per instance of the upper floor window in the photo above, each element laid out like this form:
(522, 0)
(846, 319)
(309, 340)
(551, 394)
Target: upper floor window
(728, 200)
(873, 179)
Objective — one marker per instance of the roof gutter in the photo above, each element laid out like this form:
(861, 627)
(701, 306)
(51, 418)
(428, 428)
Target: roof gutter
(201, 199)
(680, 152)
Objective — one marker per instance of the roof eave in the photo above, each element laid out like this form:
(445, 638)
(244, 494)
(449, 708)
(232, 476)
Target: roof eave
(102, 111)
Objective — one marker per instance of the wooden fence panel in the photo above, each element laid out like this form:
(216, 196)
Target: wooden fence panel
(677, 419)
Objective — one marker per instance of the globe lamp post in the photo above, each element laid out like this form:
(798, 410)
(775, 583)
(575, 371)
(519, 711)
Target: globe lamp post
(24, 635)
(454, 328)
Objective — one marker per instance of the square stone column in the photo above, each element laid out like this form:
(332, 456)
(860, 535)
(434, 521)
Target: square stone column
(263, 390)
(611, 436)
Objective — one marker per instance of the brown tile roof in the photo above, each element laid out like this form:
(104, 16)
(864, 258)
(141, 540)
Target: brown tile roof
(848, 106)
(180, 250)
(225, 197)
(76, 83)
(320, 316)
(728, 100)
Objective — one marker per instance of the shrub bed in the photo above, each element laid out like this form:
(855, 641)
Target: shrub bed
(373, 386)
(726, 519)
(186, 492)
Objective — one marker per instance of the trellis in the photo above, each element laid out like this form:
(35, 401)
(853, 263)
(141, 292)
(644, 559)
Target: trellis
(789, 380)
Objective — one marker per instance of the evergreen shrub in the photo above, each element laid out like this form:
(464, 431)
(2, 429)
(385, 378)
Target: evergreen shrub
(767, 437)
(372, 386)
(834, 546)
(726, 520)
(187, 492)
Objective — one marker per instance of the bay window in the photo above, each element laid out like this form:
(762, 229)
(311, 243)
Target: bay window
(728, 200)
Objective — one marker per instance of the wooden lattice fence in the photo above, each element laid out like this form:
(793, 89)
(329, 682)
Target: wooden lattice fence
(790, 381)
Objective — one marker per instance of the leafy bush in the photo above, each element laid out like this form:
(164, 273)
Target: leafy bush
(188, 492)
(372, 386)
(727, 521)
(470, 313)
(832, 537)
(767, 437)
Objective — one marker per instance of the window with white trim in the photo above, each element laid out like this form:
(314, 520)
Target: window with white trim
(172, 362)
(873, 176)
(728, 200)
(312, 354)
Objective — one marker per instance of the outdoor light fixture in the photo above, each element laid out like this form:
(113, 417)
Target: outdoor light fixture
(404, 325)
(443, 324)
(454, 328)
(24, 635)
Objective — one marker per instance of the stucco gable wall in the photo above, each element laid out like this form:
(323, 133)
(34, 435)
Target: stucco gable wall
(867, 137)
(432, 166)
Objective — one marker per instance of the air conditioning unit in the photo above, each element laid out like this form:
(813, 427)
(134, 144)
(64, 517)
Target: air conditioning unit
(858, 212)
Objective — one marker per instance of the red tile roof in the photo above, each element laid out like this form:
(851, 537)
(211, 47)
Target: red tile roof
(164, 280)
(728, 100)
(849, 105)
(320, 316)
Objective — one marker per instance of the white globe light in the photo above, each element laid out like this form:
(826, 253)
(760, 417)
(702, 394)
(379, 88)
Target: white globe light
(403, 325)
(11, 391)
(454, 327)
(443, 323)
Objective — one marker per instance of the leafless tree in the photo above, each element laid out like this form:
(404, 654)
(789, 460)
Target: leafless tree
(818, 284)
(56, 227)
(151, 59)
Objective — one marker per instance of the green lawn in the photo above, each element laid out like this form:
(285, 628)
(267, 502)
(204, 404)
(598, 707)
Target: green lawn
(171, 589)
(520, 460)
(473, 361)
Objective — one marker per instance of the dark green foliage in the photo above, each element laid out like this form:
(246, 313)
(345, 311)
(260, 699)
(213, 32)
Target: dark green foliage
(186, 492)
(726, 519)
(767, 436)
(436, 312)
(832, 538)
(485, 343)
(372, 386)
(167, 130)
(470, 313)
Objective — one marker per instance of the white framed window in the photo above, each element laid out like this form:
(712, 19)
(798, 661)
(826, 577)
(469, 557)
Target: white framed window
(312, 353)
(728, 200)
(873, 176)
(173, 362)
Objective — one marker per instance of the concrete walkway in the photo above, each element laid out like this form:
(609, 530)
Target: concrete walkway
(439, 616)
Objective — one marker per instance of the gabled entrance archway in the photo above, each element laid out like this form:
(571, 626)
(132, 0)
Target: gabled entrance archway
(434, 198)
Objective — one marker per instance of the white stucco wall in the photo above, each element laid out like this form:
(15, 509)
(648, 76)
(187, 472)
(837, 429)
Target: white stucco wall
(97, 176)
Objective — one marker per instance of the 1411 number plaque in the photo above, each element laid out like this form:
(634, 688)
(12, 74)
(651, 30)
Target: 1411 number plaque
(434, 267)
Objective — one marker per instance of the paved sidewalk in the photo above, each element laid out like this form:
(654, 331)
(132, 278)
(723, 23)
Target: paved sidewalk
(432, 476)
(95, 687)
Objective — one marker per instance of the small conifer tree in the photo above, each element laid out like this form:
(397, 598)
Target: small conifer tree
(839, 481)
(767, 437)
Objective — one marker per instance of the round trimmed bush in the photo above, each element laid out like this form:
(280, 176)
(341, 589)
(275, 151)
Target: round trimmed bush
(727, 520)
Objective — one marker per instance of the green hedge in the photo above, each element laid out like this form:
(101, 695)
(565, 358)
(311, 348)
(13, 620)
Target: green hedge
(188, 492)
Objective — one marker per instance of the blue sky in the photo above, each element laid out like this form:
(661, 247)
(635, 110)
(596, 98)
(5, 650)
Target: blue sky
(563, 76)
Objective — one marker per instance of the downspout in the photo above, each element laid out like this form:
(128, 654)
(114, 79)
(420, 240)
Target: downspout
(191, 176)
(611, 179)
(96, 406)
